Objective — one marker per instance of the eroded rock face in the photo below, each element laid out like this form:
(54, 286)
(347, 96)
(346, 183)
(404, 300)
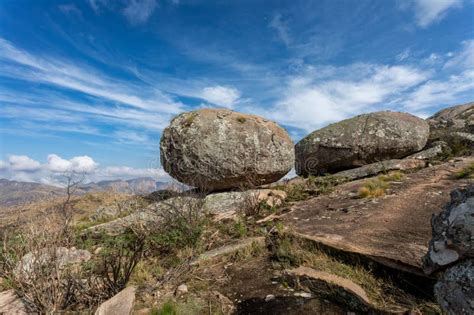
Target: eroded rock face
(455, 290)
(453, 232)
(216, 149)
(360, 140)
(455, 125)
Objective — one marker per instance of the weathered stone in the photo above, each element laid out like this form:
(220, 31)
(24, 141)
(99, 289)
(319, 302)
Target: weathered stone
(435, 149)
(452, 231)
(217, 149)
(455, 125)
(223, 205)
(383, 166)
(61, 256)
(227, 205)
(181, 290)
(455, 117)
(12, 304)
(455, 290)
(361, 140)
(120, 304)
(331, 286)
(229, 249)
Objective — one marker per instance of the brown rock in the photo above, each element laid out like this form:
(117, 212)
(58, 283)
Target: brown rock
(217, 149)
(11, 304)
(120, 304)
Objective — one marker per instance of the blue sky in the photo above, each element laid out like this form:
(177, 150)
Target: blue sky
(90, 85)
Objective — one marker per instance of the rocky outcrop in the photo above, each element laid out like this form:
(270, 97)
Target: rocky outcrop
(361, 140)
(455, 290)
(452, 232)
(120, 304)
(379, 167)
(217, 149)
(222, 206)
(12, 304)
(460, 117)
(331, 286)
(455, 125)
(437, 149)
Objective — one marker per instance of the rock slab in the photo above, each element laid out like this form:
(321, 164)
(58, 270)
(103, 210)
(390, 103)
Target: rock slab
(360, 140)
(217, 149)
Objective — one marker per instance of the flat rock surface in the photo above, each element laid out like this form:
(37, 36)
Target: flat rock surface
(394, 229)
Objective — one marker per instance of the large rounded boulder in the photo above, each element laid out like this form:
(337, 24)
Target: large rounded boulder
(217, 149)
(360, 140)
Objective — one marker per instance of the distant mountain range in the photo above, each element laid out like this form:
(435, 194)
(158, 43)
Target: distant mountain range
(14, 193)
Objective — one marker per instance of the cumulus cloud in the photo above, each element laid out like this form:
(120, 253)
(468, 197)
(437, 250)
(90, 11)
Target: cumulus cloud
(23, 163)
(428, 12)
(78, 164)
(53, 171)
(220, 95)
(139, 11)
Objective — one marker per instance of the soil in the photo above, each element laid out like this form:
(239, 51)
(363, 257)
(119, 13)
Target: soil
(394, 229)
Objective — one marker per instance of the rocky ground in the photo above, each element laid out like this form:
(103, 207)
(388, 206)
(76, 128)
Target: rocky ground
(359, 241)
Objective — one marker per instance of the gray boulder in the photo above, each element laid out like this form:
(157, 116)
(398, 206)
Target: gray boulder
(453, 232)
(360, 140)
(455, 290)
(217, 149)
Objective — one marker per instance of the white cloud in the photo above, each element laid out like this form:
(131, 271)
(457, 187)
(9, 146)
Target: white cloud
(220, 95)
(24, 168)
(78, 164)
(281, 27)
(463, 59)
(130, 172)
(67, 75)
(23, 163)
(308, 104)
(428, 12)
(139, 11)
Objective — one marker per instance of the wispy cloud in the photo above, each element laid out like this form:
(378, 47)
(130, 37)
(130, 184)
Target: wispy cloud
(428, 12)
(82, 79)
(220, 95)
(139, 11)
(281, 27)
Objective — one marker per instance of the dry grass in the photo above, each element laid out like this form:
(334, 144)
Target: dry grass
(377, 187)
(381, 291)
(466, 172)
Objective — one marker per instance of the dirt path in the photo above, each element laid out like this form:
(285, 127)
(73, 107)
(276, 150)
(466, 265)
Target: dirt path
(394, 229)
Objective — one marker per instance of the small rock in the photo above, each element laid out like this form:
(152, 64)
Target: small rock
(181, 290)
(269, 297)
(10, 303)
(120, 304)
